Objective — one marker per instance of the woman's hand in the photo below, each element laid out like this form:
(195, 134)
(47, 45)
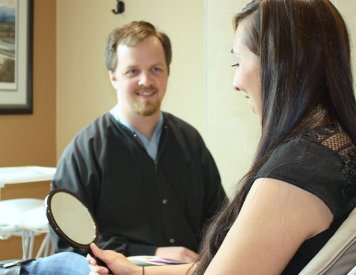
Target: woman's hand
(117, 263)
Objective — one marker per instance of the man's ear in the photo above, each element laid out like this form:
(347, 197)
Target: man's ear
(113, 79)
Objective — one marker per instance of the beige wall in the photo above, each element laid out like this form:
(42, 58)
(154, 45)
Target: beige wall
(83, 88)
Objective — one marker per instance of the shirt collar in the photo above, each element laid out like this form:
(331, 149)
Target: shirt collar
(151, 145)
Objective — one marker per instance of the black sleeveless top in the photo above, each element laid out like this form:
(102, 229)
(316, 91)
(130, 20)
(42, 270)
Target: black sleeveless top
(322, 162)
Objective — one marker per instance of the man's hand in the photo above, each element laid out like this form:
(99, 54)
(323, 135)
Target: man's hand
(177, 253)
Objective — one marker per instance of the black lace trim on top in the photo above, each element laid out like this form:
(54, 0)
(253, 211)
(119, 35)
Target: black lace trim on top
(334, 138)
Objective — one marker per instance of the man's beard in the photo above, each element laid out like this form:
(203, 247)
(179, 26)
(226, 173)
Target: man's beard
(146, 108)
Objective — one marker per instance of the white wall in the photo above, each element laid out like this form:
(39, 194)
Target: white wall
(231, 128)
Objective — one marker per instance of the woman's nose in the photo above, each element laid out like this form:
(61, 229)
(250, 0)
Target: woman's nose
(235, 85)
(235, 82)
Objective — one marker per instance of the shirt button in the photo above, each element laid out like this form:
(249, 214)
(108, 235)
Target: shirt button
(171, 240)
(164, 201)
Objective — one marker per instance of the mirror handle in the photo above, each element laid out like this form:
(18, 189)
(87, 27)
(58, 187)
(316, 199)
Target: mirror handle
(99, 261)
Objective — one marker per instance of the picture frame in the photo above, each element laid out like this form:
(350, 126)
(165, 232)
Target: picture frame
(16, 36)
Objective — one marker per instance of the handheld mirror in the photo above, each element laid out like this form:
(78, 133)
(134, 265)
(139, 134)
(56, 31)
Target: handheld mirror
(71, 220)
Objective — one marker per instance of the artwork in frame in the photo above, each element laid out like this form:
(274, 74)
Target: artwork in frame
(16, 56)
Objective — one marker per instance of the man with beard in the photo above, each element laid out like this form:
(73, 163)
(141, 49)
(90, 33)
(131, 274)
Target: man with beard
(145, 175)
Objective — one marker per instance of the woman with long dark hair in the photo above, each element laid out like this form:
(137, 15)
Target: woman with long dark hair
(293, 63)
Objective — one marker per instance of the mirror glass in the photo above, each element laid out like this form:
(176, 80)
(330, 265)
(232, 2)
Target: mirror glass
(70, 219)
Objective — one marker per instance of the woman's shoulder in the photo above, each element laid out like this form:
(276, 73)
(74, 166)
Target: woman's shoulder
(322, 161)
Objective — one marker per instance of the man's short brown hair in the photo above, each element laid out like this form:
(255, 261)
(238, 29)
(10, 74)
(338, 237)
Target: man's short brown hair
(130, 35)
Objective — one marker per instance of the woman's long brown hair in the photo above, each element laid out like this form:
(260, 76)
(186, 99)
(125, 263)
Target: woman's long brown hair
(304, 50)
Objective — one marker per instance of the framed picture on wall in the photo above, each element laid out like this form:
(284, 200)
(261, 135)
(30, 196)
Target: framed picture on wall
(16, 56)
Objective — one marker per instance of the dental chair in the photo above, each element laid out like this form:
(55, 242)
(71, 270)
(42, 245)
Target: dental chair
(25, 217)
(338, 256)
